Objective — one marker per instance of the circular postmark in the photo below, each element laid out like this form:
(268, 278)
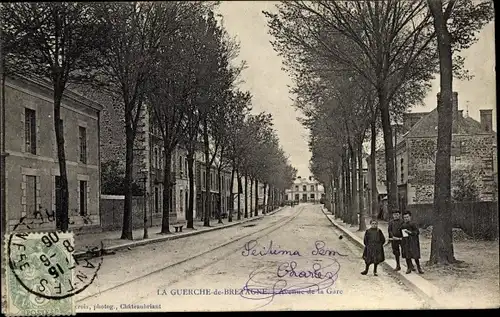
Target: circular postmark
(44, 268)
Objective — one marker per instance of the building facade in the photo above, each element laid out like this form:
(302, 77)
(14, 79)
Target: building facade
(472, 156)
(305, 190)
(31, 164)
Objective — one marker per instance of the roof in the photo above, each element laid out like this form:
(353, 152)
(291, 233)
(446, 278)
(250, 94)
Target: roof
(69, 94)
(427, 126)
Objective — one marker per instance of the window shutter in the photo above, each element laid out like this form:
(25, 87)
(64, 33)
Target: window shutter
(23, 135)
(37, 134)
(87, 199)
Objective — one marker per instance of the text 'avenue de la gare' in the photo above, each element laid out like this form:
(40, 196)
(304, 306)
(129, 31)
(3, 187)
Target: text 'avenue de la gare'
(239, 291)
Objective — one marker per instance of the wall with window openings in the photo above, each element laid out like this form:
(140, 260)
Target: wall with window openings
(32, 166)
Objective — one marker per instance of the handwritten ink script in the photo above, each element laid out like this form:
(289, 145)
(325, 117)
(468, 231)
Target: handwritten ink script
(297, 272)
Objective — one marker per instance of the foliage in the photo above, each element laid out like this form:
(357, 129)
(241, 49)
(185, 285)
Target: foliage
(113, 179)
(466, 189)
(58, 42)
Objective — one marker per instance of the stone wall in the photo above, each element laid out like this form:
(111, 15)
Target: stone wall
(471, 156)
(112, 213)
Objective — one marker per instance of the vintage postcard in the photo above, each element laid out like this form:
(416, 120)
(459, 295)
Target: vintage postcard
(248, 156)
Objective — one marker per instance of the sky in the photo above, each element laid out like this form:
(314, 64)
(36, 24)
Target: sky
(268, 83)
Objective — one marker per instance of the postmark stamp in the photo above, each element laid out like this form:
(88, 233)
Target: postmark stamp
(43, 275)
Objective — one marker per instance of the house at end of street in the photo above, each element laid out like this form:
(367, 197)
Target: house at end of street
(305, 190)
(473, 157)
(31, 163)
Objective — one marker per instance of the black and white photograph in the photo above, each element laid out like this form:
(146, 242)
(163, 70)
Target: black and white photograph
(235, 156)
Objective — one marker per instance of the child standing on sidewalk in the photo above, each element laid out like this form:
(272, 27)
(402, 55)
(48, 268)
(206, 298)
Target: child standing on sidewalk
(410, 245)
(374, 247)
(395, 236)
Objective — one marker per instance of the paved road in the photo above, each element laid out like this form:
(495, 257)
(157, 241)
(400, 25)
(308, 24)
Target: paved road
(302, 240)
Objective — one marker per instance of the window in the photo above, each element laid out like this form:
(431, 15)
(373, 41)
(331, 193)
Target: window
(402, 170)
(180, 165)
(286, 197)
(30, 130)
(31, 201)
(297, 197)
(83, 198)
(203, 178)
(296, 188)
(304, 188)
(312, 196)
(155, 158)
(312, 188)
(186, 168)
(162, 154)
(463, 147)
(83, 144)
(157, 200)
(304, 197)
(181, 201)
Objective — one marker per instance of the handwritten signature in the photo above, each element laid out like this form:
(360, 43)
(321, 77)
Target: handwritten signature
(303, 272)
(253, 248)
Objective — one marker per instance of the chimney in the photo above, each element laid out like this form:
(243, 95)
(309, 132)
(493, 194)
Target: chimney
(454, 102)
(486, 119)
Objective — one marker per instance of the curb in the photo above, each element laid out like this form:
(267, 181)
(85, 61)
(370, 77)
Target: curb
(418, 284)
(131, 244)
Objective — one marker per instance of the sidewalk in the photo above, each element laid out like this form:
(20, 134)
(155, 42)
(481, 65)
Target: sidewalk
(471, 284)
(85, 243)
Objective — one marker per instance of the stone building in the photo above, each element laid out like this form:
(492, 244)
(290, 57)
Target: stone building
(31, 164)
(472, 155)
(305, 190)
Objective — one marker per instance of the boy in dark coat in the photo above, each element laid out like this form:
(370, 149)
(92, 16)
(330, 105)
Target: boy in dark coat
(410, 244)
(395, 236)
(374, 247)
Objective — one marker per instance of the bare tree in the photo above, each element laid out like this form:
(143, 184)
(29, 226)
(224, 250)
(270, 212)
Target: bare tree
(58, 42)
(450, 38)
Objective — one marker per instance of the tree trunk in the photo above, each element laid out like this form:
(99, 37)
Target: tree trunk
(208, 196)
(373, 171)
(246, 196)
(167, 186)
(190, 208)
(442, 241)
(340, 192)
(337, 197)
(129, 157)
(348, 196)
(62, 220)
(251, 198)
(361, 195)
(239, 194)
(231, 197)
(219, 214)
(264, 211)
(354, 187)
(392, 187)
(256, 197)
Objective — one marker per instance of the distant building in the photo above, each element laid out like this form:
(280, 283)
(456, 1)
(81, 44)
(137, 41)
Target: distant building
(305, 190)
(31, 165)
(473, 155)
